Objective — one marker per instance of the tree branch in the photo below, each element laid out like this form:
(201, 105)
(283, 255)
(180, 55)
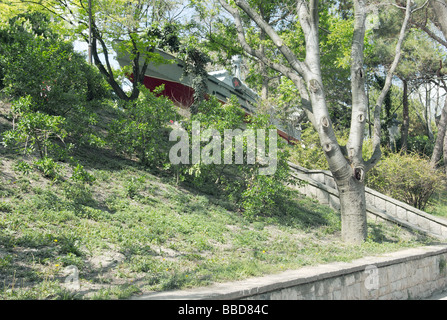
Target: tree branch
(430, 33)
(377, 125)
(297, 65)
(359, 99)
(289, 72)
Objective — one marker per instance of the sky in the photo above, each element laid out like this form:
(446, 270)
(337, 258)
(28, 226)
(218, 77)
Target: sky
(82, 46)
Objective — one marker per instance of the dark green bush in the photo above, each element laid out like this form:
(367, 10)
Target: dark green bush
(36, 62)
(59, 85)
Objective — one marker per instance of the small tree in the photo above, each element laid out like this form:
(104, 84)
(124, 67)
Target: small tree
(233, 171)
(34, 130)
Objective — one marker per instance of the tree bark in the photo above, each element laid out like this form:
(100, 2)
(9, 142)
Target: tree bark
(352, 201)
(445, 153)
(440, 11)
(263, 70)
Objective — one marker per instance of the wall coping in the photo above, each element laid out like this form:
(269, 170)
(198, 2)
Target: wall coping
(258, 285)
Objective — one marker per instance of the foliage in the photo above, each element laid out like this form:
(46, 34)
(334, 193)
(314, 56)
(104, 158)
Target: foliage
(250, 192)
(406, 177)
(141, 128)
(309, 153)
(53, 89)
(34, 129)
(48, 167)
(196, 62)
(82, 175)
(36, 62)
(133, 29)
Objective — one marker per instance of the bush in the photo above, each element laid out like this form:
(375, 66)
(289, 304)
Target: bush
(49, 168)
(406, 177)
(34, 130)
(81, 175)
(59, 85)
(142, 128)
(35, 62)
(251, 193)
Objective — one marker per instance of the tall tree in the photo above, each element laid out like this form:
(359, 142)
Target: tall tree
(418, 65)
(438, 17)
(345, 162)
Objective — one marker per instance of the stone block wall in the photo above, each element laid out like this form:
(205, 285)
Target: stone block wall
(416, 275)
(321, 186)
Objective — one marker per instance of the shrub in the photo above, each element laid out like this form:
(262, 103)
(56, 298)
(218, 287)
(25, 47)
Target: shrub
(34, 130)
(49, 168)
(57, 82)
(251, 193)
(407, 177)
(81, 175)
(308, 152)
(36, 62)
(142, 128)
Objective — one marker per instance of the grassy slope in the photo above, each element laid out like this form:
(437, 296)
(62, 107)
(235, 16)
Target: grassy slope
(135, 231)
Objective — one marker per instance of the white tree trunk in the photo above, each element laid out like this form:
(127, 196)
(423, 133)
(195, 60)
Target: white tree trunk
(353, 211)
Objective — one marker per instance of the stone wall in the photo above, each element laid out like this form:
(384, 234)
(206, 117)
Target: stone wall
(321, 186)
(414, 273)
(404, 275)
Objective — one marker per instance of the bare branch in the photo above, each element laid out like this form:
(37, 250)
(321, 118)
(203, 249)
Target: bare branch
(430, 33)
(297, 65)
(289, 72)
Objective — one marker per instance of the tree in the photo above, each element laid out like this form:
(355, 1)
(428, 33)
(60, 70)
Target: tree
(418, 66)
(439, 25)
(345, 162)
(131, 27)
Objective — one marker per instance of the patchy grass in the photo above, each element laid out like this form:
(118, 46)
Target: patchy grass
(133, 231)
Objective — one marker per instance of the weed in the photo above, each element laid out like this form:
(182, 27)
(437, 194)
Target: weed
(81, 175)
(49, 168)
(134, 185)
(23, 167)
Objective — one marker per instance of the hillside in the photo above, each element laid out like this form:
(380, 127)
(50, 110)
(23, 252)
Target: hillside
(135, 230)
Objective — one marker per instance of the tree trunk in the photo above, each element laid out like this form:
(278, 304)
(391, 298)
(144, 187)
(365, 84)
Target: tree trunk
(440, 138)
(427, 112)
(353, 210)
(440, 10)
(263, 69)
(406, 118)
